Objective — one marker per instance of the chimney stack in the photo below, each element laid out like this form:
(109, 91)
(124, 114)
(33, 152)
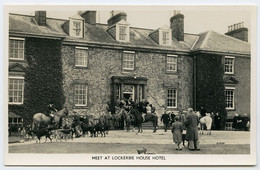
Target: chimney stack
(116, 16)
(177, 25)
(40, 17)
(90, 17)
(238, 31)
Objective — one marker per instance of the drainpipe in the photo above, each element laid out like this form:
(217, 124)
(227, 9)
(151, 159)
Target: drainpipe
(194, 82)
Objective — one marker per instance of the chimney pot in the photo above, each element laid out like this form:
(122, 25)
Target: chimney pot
(238, 31)
(40, 17)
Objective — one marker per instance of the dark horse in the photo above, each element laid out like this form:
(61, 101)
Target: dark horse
(41, 120)
(138, 119)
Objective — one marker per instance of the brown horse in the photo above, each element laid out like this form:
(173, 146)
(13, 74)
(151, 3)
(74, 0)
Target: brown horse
(40, 119)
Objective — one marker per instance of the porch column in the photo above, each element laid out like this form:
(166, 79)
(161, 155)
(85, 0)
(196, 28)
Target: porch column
(144, 90)
(137, 93)
(121, 91)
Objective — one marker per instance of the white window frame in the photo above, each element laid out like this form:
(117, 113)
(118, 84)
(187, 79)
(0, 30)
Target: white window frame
(72, 28)
(233, 64)
(18, 39)
(233, 102)
(176, 98)
(176, 63)
(127, 32)
(85, 59)
(86, 86)
(20, 78)
(166, 39)
(128, 52)
(169, 40)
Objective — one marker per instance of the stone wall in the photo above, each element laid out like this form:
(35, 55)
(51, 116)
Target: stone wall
(105, 63)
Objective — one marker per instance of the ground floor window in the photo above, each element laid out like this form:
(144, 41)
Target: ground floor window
(80, 94)
(171, 98)
(229, 93)
(16, 90)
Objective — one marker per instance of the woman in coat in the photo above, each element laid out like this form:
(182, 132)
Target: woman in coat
(192, 122)
(177, 133)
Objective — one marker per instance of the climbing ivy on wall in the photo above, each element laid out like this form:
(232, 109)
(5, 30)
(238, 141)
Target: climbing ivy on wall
(210, 90)
(43, 77)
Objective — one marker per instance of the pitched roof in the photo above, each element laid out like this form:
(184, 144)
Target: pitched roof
(27, 25)
(213, 41)
(139, 37)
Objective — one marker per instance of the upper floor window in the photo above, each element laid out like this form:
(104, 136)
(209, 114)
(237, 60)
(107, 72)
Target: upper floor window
(171, 63)
(172, 98)
(230, 95)
(16, 90)
(81, 56)
(80, 94)
(229, 65)
(128, 60)
(165, 37)
(16, 48)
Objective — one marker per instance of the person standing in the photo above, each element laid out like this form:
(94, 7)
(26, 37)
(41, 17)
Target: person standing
(245, 122)
(235, 122)
(177, 133)
(192, 122)
(217, 120)
(51, 110)
(165, 119)
(202, 111)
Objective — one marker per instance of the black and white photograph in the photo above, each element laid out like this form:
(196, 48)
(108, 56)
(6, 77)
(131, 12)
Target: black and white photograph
(130, 85)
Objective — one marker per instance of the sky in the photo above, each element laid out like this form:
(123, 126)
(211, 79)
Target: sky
(195, 20)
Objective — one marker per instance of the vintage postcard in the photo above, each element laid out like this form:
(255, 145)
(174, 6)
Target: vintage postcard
(130, 85)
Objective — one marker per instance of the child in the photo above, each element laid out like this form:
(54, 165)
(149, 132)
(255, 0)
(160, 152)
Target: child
(177, 133)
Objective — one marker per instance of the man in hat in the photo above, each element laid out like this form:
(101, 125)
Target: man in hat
(192, 122)
(165, 119)
(51, 110)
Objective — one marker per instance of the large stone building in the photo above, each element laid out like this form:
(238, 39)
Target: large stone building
(104, 62)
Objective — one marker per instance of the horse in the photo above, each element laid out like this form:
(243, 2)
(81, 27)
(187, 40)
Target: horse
(138, 119)
(40, 119)
(205, 121)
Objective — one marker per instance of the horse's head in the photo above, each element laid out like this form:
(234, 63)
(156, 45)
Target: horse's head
(66, 112)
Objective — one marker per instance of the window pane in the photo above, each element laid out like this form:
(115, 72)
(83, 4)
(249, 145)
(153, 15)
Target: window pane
(171, 98)
(80, 96)
(229, 65)
(81, 57)
(16, 49)
(229, 98)
(171, 64)
(16, 91)
(128, 61)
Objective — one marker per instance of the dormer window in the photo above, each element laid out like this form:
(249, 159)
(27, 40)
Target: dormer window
(122, 33)
(76, 26)
(165, 37)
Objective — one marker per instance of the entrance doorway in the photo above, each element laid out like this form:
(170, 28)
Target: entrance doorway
(128, 92)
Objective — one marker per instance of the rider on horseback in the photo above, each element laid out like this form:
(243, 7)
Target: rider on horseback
(50, 111)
